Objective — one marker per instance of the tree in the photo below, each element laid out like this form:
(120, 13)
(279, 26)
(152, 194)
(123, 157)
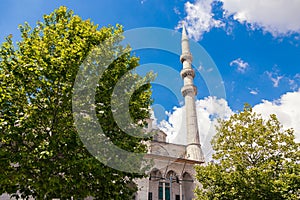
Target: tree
(255, 159)
(41, 153)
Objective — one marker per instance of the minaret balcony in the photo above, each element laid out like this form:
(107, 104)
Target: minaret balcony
(186, 56)
(187, 72)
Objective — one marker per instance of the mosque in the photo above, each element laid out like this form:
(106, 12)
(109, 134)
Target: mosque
(173, 175)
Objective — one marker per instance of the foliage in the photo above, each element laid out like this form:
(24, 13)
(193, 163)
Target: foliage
(255, 159)
(41, 153)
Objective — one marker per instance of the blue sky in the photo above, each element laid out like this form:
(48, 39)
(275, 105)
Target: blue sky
(253, 43)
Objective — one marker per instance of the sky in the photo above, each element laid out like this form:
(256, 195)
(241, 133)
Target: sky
(252, 47)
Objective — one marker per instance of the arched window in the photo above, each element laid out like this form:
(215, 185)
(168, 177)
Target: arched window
(187, 186)
(172, 186)
(171, 175)
(154, 178)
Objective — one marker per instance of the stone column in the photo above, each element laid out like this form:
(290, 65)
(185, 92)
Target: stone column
(164, 190)
(180, 190)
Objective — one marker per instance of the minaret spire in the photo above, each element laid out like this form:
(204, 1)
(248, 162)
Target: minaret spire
(185, 41)
(189, 91)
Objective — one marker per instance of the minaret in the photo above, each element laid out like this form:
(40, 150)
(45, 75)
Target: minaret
(189, 91)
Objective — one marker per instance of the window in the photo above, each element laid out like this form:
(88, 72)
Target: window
(160, 191)
(150, 196)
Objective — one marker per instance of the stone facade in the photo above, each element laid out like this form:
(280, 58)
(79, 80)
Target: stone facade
(172, 174)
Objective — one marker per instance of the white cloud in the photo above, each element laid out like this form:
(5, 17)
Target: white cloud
(208, 110)
(294, 82)
(279, 17)
(287, 109)
(176, 11)
(254, 91)
(274, 78)
(210, 69)
(240, 64)
(199, 18)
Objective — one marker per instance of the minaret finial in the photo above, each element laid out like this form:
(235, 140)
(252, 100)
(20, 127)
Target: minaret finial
(185, 46)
